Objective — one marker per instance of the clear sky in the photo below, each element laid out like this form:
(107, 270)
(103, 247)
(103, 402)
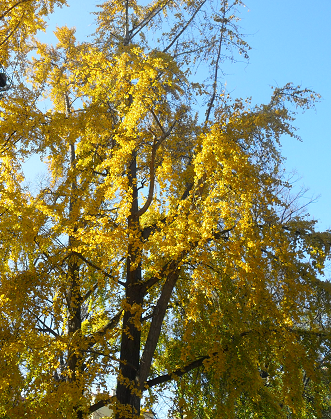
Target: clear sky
(291, 42)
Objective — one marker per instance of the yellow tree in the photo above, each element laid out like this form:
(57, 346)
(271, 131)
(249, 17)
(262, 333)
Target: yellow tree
(18, 21)
(160, 245)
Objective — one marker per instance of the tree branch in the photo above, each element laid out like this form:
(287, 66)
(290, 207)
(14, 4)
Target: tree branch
(100, 404)
(147, 19)
(90, 292)
(178, 373)
(12, 7)
(199, 362)
(149, 199)
(212, 100)
(47, 328)
(97, 268)
(156, 325)
(185, 26)
(92, 339)
(13, 30)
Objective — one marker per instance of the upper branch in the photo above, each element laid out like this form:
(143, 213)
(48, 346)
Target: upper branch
(212, 100)
(12, 31)
(153, 13)
(185, 26)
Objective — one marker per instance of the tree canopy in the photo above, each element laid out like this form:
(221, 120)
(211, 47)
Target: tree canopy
(162, 252)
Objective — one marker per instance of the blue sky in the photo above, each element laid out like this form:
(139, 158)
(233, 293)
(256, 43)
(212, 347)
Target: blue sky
(291, 42)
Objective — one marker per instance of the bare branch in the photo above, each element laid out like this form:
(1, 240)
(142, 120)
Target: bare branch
(126, 33)
(212, 100)
(154, 12)
(185, 26)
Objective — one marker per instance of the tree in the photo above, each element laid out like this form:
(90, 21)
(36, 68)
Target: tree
(160, 248)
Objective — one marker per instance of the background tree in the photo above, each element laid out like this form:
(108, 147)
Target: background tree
(157, 250)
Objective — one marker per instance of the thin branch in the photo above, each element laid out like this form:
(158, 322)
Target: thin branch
(126, 33)
(148, 202)
(90, 292)
(98, 353)
(4, 145)
(184, 27)
(147, 19)
(47, 328)
(93, 339)
(98, 268)
(212, 100)
(158, 121)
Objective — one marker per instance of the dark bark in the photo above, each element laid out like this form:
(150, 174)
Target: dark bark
(74, 297)
(178, 373)
(128, 401)
(156, 325)
(127, 385)
(75, 361)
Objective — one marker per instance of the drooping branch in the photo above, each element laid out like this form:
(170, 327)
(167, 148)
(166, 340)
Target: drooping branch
(199, 362)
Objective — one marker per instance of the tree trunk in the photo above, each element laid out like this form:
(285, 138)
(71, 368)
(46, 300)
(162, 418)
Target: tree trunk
(127, 393)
